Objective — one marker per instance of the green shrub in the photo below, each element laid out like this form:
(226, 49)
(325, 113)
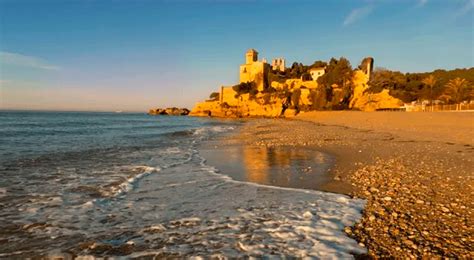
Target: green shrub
(244, 87)
(253, 93)
(295, 98)
(214, 96)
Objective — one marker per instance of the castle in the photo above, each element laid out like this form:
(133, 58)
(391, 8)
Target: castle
(276, 95)
(257, 72)
(254, 70)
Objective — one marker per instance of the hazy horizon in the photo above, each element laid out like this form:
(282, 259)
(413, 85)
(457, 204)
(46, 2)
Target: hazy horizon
(133, 55)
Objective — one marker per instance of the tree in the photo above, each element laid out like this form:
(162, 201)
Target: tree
(244, 87)
(317, 98)
(319, 64)
(253, 92)
(430, 81)
(214, 96)
(296, 70)
(395, 82)
(457, 90)
(295, 98)
(410, 86)
(338, 74)
(306, 76)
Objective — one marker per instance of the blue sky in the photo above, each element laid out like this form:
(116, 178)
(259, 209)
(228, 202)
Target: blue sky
(132, 55)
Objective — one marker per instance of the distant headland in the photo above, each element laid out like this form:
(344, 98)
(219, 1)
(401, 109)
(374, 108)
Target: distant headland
(273, 90)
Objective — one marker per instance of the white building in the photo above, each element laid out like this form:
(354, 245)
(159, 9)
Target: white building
(316, 73)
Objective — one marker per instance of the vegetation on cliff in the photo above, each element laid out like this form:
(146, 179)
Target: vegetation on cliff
(336, 83)
(450, 86)
(214, 96)
(245, 87)
(266, 90)
(423, 86)
(339, 74)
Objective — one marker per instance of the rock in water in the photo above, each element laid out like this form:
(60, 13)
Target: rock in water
(172, 111)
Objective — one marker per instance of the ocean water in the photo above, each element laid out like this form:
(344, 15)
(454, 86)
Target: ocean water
(119, 184)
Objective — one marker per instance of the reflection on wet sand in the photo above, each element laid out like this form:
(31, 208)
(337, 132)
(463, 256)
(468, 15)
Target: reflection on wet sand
(282, 166)
(295, 167)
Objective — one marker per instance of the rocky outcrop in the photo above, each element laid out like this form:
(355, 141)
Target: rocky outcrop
(172, 111)
(262, 105)
(366, 101)
(377, 101)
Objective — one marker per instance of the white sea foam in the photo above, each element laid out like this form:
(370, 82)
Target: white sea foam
(189, 210)
(127, 184)
(172, 150)
(214, 129)
(217, 216)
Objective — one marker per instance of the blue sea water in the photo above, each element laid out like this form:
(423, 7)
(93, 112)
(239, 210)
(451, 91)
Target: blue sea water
(32, 134)
(116, 184)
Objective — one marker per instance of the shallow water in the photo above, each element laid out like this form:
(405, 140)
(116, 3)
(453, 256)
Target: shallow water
(282, 166)
(107, 184)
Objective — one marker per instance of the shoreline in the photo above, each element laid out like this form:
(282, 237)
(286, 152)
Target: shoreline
(282, 166)
(414, 170)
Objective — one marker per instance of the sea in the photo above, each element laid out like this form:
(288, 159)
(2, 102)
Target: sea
(129, 185)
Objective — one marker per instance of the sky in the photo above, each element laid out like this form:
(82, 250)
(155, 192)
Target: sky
(133, 55)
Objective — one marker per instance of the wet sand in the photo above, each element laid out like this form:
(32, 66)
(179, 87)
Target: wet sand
(282, 166)
(414, 169)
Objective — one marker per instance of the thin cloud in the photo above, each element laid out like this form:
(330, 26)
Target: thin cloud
(466, 8)
(25, 61)
(357, 14)
(422, 3)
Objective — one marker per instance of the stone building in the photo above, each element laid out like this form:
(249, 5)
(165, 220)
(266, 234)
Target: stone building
(367, 66)
(317, 72)
(278, 64)
(254, 70)
(227, 95)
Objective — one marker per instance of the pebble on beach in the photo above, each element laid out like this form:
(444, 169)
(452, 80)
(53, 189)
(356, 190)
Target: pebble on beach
(419, 194)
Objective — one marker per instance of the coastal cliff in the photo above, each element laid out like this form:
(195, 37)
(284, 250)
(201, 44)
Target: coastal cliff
(273, 90)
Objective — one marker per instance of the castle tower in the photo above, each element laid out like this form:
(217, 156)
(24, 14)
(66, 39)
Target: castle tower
(367, 66)
(282, 65)
(278, 64)
(251, 56)
(370, 65)
(254, 71)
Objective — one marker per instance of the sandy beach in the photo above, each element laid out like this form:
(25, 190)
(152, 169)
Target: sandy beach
(414, 169)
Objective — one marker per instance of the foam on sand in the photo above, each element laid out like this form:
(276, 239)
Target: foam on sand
(214, 215)
(175, 205)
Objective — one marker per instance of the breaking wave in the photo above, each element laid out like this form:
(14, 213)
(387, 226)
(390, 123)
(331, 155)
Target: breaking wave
(149, 193)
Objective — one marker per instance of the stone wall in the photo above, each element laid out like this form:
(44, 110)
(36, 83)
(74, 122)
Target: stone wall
(228, 95)
(254, 72)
